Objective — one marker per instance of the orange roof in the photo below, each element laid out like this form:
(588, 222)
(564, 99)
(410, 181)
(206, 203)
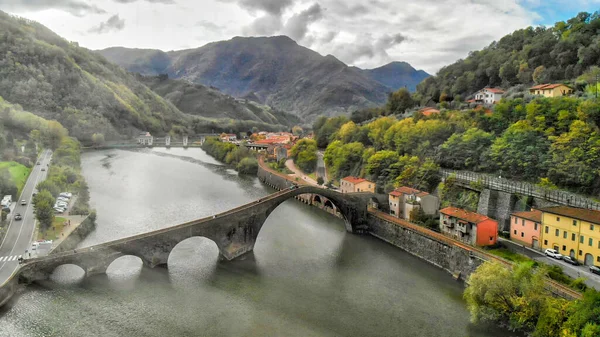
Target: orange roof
(274, 140)
(548, 86)
(354, 180)
(494, 90)
(584, 214)
(533, 215)
(429, 111)
(464, 214)
(407, 190)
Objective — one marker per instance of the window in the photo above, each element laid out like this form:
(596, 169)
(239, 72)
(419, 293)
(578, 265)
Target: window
(516, 220)
(523, 222)
(573, 237)
(546, 230)
(590, 242)
(598, 259)
(535, 226)
(564, 247)
(545, 242)
(581, 239)
(515, 232)
(574, 222)
(558, 219)
(565, 235)
(522, 234)
(556, 232)
(591, 227)
(580, 252)
(491, 238)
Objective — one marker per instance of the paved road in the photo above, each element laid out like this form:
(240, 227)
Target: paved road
(292, 167)
(19, 234)
(592, 280)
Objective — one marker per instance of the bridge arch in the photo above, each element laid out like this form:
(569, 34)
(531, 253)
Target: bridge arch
(194, 245)
(124, 267)
(68, 273)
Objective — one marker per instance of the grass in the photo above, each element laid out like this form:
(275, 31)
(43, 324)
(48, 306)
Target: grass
(18, 173)
(53, 232)
(509, 255)
(313, 176)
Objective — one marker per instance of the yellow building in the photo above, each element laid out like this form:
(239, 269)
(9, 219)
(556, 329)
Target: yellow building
(551, 90)
(355, 184)
(572, 231)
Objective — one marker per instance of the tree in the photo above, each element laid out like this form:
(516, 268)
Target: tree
(247, 166)
(98, 139)
(44, 211)
(320, 180)
(466, 150)
(304, 153)
(297, 131)
(399, 101)
(540, 75)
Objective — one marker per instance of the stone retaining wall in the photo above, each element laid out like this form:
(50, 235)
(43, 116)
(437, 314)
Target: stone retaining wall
(453, 259)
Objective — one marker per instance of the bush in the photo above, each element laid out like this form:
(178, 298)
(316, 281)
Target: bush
(320, 180)
(248, 165)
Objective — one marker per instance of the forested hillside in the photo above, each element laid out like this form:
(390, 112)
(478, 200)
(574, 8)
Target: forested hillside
(533, 55)
(550, 141)
(56, 79)
(200, 100)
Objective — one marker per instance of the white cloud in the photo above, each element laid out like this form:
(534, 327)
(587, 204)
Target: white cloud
(367, 33)
(114, 23)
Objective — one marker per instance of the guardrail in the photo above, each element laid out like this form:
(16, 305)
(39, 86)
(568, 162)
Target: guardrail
(551, 285)
(519, 187)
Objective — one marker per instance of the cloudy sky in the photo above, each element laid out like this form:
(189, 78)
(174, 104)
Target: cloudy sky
(367, 33)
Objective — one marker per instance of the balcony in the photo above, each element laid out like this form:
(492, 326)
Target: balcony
(448, 224)
(463, 227)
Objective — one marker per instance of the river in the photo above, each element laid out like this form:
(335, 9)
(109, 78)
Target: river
(306, 276)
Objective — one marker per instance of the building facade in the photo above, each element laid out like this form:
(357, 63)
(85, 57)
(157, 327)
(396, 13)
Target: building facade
(526, 227)
(551, 90)
(352, 184)
(404, 200)
(572, 231)
(145, 138)
(489, 95)
(471, 228)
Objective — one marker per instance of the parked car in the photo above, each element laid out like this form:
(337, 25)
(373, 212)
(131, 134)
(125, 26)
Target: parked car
(553, 253)
(43, 169)
(66, 195)
(23, 202)
(595, 270)
(18, 217)
(60, 205)
(571, 260)
(62, 199)
(59, 210)
(38, 163)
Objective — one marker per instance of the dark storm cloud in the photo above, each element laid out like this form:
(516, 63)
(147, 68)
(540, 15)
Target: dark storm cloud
(75, 7)
(265, 25)
(342, 8)
(114, 23)
(297, 26)
(367, 47)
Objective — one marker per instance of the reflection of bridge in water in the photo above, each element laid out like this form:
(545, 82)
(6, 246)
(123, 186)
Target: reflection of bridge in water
(167, 141)
(234, 232)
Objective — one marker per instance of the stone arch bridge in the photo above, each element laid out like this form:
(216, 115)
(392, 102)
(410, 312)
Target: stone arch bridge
(234, 232)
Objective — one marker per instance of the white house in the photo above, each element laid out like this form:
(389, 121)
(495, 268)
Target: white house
(489, 95)
(145, 138)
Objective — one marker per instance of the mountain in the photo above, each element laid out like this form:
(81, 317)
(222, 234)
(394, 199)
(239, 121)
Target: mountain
(275, 71)
(200, 100)
(397, 75)
(564, 52)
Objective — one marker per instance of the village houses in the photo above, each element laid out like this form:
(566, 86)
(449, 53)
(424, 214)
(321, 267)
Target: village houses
(551, 90)
(352, 184)
(469, 227)
(404, 200)
(525, 228)
(488, 96)
(145, 138)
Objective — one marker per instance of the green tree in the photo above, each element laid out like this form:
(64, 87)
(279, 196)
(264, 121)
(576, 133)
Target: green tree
(247, 166)
(44, 211)
(304, 153)
(399, 101)
(466, 150)
(98, 139)
(320, 180)
(297, 131)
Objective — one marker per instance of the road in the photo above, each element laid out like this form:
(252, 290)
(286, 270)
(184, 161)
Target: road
(292, 167)
(592, 280)
(20, 233)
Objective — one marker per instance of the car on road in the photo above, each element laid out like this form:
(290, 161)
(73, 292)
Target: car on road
(43, 169)
(594, 270)
(571, 260)
(553, 253)
(18, 217)
(59, 210)
(62, 199)
(38, 163)
(23, 202)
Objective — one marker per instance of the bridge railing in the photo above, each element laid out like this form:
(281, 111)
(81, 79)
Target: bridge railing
(525, 188)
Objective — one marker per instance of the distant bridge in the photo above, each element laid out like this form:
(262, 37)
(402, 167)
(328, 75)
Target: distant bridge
(234, 232)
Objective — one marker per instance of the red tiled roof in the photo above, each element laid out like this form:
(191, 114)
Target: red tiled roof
(573, 212)
(422, 194)
(464, 214)
(354, 180)
(494, 90)
(533, 215)
(405, 190)
(548, 86)
(274, 140)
